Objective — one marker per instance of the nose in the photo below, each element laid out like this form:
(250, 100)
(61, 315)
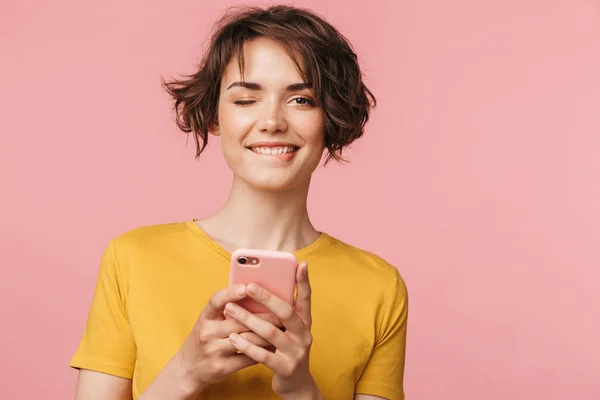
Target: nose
(272, 119)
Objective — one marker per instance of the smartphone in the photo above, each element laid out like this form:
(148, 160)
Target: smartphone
(273, 270)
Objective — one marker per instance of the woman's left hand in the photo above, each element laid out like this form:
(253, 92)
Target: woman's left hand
(289, 361)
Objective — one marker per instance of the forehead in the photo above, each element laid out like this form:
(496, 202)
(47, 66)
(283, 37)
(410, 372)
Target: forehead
(265, 62)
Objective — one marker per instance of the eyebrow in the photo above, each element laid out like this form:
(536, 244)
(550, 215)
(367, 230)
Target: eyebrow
(256, 86)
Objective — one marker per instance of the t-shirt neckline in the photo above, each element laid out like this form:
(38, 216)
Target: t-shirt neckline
(322, 241)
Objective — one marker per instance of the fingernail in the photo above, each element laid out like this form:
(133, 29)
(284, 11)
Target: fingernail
(230, 308)
(253, 289)
(304, 266)
(234, 338)
(240, 291)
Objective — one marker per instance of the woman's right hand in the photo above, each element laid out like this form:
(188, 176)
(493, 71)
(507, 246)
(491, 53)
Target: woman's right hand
(207, 353)
(207, 356)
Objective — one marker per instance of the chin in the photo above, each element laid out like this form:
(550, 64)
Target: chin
(273, 175)
(273, 184)
(274, 181)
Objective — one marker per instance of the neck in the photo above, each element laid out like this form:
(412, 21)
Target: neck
(253, 218)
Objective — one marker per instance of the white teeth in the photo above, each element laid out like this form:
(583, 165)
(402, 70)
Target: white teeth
(273, 150)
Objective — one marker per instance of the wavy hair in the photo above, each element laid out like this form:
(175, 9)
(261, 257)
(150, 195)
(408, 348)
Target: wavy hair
(323, 56)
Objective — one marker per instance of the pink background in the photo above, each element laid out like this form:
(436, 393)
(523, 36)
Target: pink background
(479, 176)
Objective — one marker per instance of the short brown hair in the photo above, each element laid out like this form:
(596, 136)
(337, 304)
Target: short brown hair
(327, 62)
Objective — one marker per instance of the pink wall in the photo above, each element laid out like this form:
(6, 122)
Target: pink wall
(479, 177)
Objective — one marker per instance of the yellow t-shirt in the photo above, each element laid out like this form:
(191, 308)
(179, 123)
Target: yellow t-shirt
(154, 281)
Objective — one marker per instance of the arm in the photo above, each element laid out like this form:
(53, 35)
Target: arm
(384, 373)
(92, 385)
(106, 356)
(205, 358)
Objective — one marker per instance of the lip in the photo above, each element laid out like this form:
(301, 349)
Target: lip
(285, 157)
(272, 144)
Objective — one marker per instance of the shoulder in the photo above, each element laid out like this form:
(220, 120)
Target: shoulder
(366, 283)
(150, 237)
(148, 249)
(366, 265)
(152, 233)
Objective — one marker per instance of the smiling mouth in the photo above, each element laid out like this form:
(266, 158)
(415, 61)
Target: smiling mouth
(274, 150)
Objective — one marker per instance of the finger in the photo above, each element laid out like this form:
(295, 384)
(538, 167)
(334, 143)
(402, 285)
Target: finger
(236, 362)
(216, 303)
(222, 329)
(264, 329)
(281, 308)
(221, 346)
(255, 339)
(272, 360)
(303, 297)
(224, 346)
(272, 318)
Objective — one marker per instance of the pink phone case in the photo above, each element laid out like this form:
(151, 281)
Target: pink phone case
(274, 271)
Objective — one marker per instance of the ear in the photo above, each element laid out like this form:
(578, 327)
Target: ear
(214, 129)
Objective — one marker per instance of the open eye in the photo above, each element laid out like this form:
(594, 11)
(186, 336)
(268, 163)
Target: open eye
(302, 101)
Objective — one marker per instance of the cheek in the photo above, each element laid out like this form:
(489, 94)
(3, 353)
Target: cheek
(234, 124)
(318, 137)
(312, 130)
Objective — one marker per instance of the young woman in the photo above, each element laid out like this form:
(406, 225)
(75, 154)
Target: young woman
(282, 88)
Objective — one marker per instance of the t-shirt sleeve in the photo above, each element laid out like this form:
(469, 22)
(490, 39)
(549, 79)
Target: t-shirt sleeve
(107, 344)
(384, 373)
